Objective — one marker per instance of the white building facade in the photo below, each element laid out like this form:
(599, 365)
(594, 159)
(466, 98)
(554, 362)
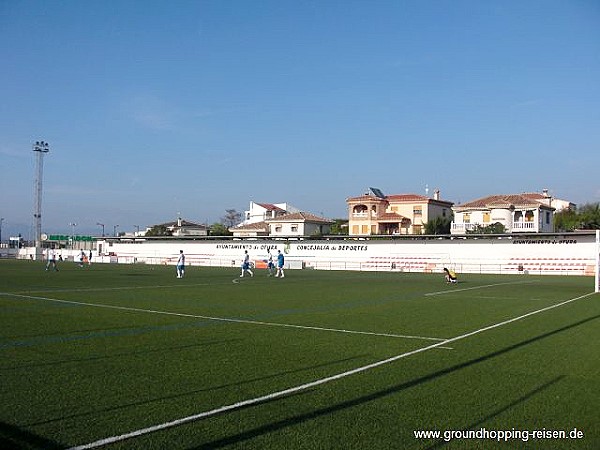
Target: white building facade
(260, 212)
(518, 213)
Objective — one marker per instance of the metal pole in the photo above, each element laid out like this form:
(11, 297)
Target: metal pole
(597, 277)
(40, 148)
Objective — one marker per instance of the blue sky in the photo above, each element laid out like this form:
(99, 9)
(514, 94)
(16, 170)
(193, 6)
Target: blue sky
(154, 108)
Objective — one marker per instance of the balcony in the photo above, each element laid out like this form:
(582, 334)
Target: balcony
(517, 227)
(364, 215)
(524, 226)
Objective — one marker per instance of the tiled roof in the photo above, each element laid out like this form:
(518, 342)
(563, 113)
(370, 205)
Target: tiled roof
(301, 217)
(364, 198)
(407, 198)
(397, 198)
(503, 201)
(270, 207)
(390, 217)
(184, 223)
(256, 226)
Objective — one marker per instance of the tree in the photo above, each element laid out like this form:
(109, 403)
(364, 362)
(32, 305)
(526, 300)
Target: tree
(438, 225)
(566, 220)
(218, 229)
(339, 227)
(495, 228)
(231, 218)
(587, 217)
(159, 230)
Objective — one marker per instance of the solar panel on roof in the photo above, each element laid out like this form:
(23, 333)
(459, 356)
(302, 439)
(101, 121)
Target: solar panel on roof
(377, 192)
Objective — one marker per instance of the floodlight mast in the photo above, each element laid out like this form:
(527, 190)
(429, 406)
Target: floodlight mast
(40, 148)
(597, 275)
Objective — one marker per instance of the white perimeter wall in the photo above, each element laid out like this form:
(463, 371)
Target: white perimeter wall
(556, 254)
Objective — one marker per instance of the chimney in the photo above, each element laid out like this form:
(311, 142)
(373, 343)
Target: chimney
(436, 194)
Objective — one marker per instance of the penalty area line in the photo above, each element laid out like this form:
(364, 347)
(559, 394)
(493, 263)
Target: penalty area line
(450, 291)
(302, 387)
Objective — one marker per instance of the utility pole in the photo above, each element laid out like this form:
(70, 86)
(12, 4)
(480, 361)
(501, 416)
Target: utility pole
(40, 148)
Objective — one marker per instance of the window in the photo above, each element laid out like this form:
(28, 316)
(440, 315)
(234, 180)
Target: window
(486, 217)
(466, 218)
(364, 229)
(294, 228)
(417, 210)
(277, 228)
(547, 218)
(354, 229)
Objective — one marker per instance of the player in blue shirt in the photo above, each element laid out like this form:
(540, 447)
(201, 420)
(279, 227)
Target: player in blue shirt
(280, 262)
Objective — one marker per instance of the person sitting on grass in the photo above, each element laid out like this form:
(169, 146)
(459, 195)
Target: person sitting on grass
(450, 276)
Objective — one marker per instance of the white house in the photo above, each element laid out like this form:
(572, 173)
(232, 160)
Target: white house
(519, 213)
(260, 212)
(547, 199)
(182, 227)
(299, 224)
(288, 225)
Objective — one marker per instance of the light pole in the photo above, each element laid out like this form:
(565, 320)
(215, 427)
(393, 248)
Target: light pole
(101, 225)
(115, 230)
(1, 220)
(40, 148)
(72, 225)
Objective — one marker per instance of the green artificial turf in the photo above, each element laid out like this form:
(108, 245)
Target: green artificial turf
(95, 352)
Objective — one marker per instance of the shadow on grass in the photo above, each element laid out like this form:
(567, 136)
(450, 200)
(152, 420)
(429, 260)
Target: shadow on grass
(197, 391)
(12, 437)
(275, 426)
(522, 399)
(118, 355)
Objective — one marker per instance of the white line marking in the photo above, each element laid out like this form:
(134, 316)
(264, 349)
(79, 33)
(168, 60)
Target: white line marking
(303, 387)
(225, 319)
(119, 288)
(450, 291)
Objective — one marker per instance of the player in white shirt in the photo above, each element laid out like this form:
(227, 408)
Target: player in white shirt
(181, 265)
(246, 265)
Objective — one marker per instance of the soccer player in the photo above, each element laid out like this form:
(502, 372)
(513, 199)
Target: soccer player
(450, 276)
(280, 261)
(51, 261)
(246, 265)
(181, 265)
(270, 265)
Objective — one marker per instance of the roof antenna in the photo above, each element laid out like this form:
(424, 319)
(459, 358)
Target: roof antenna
(427, 190)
